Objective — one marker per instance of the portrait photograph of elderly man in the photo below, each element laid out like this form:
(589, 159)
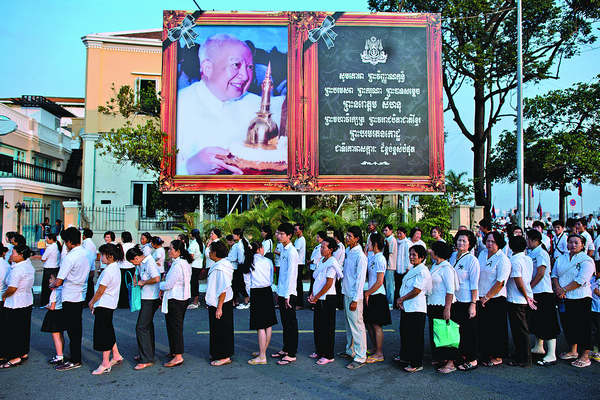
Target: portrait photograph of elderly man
(231, 101)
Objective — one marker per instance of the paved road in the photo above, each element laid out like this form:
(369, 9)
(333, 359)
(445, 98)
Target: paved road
(304, 380)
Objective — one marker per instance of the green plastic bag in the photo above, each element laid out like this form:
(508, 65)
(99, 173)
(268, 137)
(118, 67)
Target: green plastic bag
(135, 293)
(445, 333)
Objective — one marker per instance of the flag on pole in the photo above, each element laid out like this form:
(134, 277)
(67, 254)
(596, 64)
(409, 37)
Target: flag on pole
(531, 191)
(579, 187)
(539, 209)
(493, 212)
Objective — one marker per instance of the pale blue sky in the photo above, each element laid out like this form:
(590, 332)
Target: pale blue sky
(42, 53)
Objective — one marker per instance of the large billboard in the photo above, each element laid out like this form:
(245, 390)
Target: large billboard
(302, 102)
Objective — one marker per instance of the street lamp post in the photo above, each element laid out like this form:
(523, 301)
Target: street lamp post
(520, 148)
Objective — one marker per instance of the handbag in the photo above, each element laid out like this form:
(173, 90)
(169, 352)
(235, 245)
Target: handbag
(135, 293)
(445, 333)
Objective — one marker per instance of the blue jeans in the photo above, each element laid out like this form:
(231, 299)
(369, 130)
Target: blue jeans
(390, 285)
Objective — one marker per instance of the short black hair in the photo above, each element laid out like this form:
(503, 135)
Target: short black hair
(377, 239)
(267, 229)
(113, 250)
(558, 223)
(583, 221)
(20, 239)
(537, 223)
(415, 230)
(300, 226)
(486, 223)
(238, 232)
(470, 237)
(420, 250)
(126, 237)
(286, 228)
(441, 249)
(87, 233)
(111, 234)
(219, 248)
(498, 238)
(134, 252)
(229, 238)
(577, 235)
(71, 235)
(389, 226)
(23, 250)
(534, 235)
(157, 240)
(331, 243)
(216, 231)
(517, 244)
(357, 233)
(322, 234)
(401, 229)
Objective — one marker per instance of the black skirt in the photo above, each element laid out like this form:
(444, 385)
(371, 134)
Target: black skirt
(377, 312)
(543, 322)
(104, 332)
(262, 309)
(54, 322)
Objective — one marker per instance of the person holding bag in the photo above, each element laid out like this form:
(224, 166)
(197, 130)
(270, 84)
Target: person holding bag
(571, 279)
(439, 303)
(144, 328)
(176, 294)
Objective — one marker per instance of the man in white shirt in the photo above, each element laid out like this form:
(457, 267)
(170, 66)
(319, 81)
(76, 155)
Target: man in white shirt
(300, 245)
(403, 264)
(214, 114)
(392, 261)
(355, 273)
(559, 241)
(90, 247)
(72, 276)
(286, 294)
(581, 228)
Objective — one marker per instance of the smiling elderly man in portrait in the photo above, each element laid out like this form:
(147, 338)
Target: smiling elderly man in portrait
(215, 112)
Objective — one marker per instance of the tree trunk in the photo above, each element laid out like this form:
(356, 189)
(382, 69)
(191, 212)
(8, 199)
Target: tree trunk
(562, 195)
(479, 179)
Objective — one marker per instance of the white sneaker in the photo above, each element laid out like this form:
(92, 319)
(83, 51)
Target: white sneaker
(192, 306)
(243, 306)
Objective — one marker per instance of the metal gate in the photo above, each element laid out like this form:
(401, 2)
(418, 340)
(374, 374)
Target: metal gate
(31, 214)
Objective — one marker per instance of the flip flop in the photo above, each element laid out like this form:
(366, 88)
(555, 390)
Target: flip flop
(219, 363)
(413, 369)
(374, 359)
(8, 364)
(143, 366)
(286, 360)
(446, 370)
(467, 367)
(581, 364)
(116, 362)
(313, 355)
(101, 370)
(491, 364)
(171, 365)
(545, 363)
(279, 354)
(567, 356)
(323, 361)
(256, 361)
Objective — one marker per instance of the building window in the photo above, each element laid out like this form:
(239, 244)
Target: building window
(146, 95)
(142, 193)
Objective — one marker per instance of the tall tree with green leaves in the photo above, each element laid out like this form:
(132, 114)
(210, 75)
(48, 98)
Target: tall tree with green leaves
(562, 141)
(458, 191)
(479, 43)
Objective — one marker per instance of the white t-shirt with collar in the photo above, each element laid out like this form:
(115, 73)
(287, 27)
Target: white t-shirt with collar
(111, 278)
(420, 278)
(288, 271)
(521, 267)
(443, 282)
(560, 245)
(467, 269)
(493, 269)
(74, 271)
(89, 245)
(148, 270)
(403, 264)
(315, 256)
(325, 269)
(540, 257)
(21, 276)
(300, 245)
(51, 256)
(589, 242)
(262, 274)
(159, 257)
(377, 264)
(578, 268)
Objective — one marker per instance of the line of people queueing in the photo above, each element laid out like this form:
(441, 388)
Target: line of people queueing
(478, 293)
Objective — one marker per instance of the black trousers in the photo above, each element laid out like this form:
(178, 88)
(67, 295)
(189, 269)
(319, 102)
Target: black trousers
(195, 282)
(340, 297)
(90, 287)
(469, 339)
(299, 286)
(123, 292)
(17, 331)
(324, 326)
(45, 295)
(412, 337)
(519, 329)
(174, 319)
(577, 323)
(439, 353)
(221, 332)
(493, 329)
(238, 286)
(72, 315)
(144, 330)
(290, 325)
(398, 278)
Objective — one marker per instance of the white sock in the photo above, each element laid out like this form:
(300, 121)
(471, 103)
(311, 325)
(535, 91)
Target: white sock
(551, 354)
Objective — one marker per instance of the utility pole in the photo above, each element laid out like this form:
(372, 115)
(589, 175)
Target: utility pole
(520, 149)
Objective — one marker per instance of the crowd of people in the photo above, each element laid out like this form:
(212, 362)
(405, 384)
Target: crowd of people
(531, 281)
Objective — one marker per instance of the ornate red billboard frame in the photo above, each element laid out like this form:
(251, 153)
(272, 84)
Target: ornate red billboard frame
(302, 124)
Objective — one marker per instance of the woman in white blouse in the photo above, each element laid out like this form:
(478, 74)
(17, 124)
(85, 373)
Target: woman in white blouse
(444, 282)
(324, 299)
(51, 259)
(146, 243)
(543, 321)
(262, 308)
(464, 311)
(103, 305)
(267, 243)
(520, 300)
(213, 235)
(18, 301)
(176, 295)
(149, 279)
(219, 298)
(196, 249)
(571, 278)
(159, 253)
(413, 308)
(493, 326)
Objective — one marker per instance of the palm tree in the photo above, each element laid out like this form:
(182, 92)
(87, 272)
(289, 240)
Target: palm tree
(457, 190)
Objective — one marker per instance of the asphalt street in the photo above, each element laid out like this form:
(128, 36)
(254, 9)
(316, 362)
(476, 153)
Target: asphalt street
(301, 380)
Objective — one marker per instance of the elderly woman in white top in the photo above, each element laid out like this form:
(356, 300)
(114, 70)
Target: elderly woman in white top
(324, 298)
(444, 282)
(464, 311)
(149, 278)
(18, 301)
(543, 322)
(520, 300)
(571, 278)
(103, 305)
(262, 308)
(176, 295)
(219, 298)
(493, 327)
(413, 308)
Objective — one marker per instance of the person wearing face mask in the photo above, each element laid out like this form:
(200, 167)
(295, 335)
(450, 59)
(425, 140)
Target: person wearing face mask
(220, 101)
